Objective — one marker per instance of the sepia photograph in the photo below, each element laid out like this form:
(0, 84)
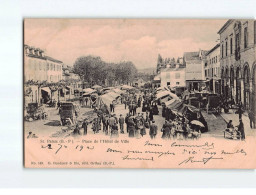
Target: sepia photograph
(139, 93)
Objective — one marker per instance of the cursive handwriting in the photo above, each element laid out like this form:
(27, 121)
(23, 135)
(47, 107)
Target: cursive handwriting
(236, 152)
(112, 150)
(160, 153)
(147, 143)
(204, 160)
(205, 146)
(136, 158)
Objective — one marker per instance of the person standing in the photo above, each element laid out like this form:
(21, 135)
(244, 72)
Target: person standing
(76, 130)
(86, 100)
(113, 106)
(240, 110)
(252, 123)
(114, 131)
(126, 121)
(107, 123)
(151, 115)
(85, 125)
(241, 129)
(131, 127)
(104, 122)
(121, 123)
(153, 130)
(166, 129)
(112, 120)
(125, 103)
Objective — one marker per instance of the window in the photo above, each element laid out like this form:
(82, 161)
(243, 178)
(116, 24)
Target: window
(231, 46)
(177, 83)
(205, 72)
(168, 83)
(226, 48)
(245, 37)
(47, 66)
(237, 41)
(222, 51)
(177, 75)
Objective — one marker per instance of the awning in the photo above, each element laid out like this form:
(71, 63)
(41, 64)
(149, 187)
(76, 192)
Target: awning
(169, 102)
(173, 104)
(96, 87)
(47, 89)
(127, 87)
(113, 95)
(166, 93)
(118, 91)
(89, 90)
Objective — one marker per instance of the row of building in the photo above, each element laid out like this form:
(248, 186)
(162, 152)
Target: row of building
(228, 68)
(40, 71)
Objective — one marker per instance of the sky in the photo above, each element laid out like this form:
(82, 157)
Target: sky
(115, 40)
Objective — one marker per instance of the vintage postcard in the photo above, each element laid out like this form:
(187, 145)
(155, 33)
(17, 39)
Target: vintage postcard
(139, 93)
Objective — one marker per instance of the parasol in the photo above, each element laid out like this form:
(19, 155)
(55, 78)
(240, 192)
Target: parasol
(96, 87)
(198, 123)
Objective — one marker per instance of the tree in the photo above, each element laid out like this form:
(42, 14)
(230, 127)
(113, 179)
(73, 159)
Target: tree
(89, 68)
(93, 70)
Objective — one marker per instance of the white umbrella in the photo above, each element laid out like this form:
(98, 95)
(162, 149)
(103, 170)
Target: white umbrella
(198, 123)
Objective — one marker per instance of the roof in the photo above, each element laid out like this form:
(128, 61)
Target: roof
(191, 55)
(173, 69)
(214, 48)
(225, 25)
(36, 56)
(52, 59)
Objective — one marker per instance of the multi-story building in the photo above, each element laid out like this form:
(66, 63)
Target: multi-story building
(173, 76)
(237, 61)
(75, 85)
(212, 69)
(39, 69)
(195, 62)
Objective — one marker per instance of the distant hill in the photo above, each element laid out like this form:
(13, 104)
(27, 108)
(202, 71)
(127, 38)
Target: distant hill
(147, 70)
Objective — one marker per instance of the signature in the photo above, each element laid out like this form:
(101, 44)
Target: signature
(204, 160)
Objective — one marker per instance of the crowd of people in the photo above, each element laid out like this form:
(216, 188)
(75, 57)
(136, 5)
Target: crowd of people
(138, 124)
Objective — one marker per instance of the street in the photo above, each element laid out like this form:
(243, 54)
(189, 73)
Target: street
(52, 128)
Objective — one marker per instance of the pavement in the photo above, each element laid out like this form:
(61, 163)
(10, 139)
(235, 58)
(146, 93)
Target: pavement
(216, 123)
(235, 119)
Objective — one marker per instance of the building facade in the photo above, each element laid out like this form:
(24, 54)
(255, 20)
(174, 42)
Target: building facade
(39, 69)
(173, 76)
(237, 61)
(212, 70)
(195, 62)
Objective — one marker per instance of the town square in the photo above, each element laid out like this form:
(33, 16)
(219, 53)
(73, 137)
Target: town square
(181, 94)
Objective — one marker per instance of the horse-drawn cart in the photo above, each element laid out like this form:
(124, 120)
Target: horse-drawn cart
(213, 103)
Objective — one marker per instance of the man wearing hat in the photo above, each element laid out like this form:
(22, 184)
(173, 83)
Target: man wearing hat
(126, 121)
(85, 125)
(153, 130)
(121, 123)
(241, 129)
